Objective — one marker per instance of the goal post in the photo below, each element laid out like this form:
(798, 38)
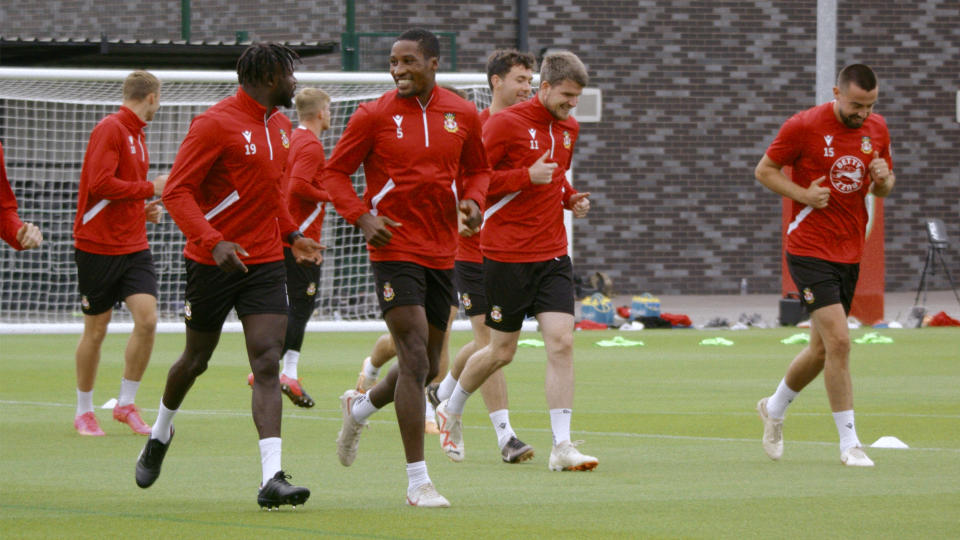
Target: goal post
(46, 116)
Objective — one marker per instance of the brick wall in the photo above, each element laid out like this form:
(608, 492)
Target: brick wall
(693, 93)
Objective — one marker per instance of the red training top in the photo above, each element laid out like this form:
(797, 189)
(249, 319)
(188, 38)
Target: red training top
(226, 181)
(113, 186)
(524, 221)
(816, 144)
(306, 199)
(468, 247)
(411, 155)
(10, 223)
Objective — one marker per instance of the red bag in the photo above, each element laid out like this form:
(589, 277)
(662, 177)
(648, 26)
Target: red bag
(942, 319)
(677, 319)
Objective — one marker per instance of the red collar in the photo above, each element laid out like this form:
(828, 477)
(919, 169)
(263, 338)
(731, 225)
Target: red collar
(130, 119)
(251, 105)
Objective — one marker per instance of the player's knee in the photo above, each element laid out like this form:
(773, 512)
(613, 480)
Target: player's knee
(146, 324)
(502, 355)
(265, 369)
(837, 345)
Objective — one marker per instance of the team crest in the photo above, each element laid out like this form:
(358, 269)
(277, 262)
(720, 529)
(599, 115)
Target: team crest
(312, 289)
(496, 314)
(465, 300)
(84, 302)
(808, 295)
(567, 141)
(388, 293)
(450, 122)
(847, 174)
(284, 139)
(865, 145)
(187, 312)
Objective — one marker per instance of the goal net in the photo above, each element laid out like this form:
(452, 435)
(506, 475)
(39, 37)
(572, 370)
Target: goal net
(46, 116)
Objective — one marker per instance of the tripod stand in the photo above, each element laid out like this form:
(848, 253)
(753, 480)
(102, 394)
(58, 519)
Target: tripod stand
(934, 251)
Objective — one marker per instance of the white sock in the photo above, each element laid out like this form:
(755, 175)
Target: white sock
(161, 428)
(560, 424)
(84, 402)
(269, 457)
(457, 400)
(128, 392)
(430, 413)
(369, 370)
(501, 423)
(846, 429)
(417, 475)
(777, 403)
(362, 408)
(446, 387)
(290, 359)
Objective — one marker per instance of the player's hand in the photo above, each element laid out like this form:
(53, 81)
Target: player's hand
(158, 184)
(308, 252)
(153, 211)
(375, 229)
(879, 170)
(471, 216)
(580, 204)
(227, 256)
(29, 236)
(541, 172)
(816, 195)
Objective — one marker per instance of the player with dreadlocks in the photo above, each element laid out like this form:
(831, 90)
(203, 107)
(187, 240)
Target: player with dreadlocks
(224, 192)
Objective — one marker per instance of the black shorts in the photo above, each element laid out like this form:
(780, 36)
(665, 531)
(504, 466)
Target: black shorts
(516, 290)
(302, 281)
(468, 277)
(211, 293)
(823, 283)
(105, 280)
(409, 284)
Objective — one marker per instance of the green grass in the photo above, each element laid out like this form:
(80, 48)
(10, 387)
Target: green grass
(672, 424)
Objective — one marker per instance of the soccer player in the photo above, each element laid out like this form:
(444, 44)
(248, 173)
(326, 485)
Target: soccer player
(509, 74)
(18, 234)
(526, 269)
(110, 241)
(414, 142)
(840, 152)
(306, 201)
(225, 194)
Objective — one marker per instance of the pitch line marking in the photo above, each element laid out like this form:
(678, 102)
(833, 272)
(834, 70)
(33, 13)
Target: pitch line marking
(659, 436)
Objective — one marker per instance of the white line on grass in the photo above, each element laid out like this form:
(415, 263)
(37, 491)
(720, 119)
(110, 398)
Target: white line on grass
(541, 430)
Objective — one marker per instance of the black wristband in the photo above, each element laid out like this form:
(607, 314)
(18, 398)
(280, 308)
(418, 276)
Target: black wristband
(292, 237)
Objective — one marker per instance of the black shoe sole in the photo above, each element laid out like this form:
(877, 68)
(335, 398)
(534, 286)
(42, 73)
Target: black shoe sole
(303, 400)
(294, 499)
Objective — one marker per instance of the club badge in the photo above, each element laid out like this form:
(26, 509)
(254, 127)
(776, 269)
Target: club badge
(187, 312)
(567, 141)
(465, 300)
(84, 302)
(450, 122)
(496, 314)
(808, 295)
(388, 293)
(865, 145)
(284, 139)
(312, 289)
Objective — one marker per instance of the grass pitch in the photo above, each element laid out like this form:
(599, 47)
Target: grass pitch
(672, 424)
